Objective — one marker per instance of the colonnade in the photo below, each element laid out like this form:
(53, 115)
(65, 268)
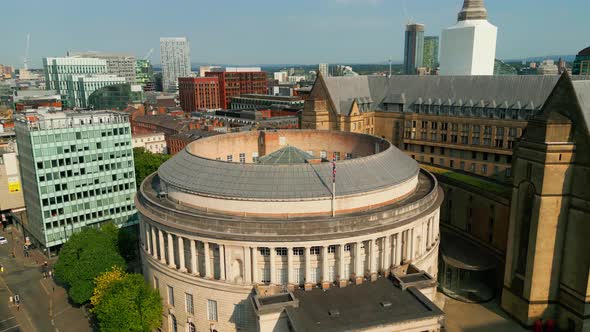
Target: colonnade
(334, 261)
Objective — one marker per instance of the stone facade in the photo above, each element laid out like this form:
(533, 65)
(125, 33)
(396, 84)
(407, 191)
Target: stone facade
(217, 257)
(547, 263)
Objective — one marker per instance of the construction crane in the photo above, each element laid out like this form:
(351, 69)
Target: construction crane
(26, 58)
(149, 54)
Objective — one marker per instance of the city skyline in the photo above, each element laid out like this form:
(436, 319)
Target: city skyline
(339, 27)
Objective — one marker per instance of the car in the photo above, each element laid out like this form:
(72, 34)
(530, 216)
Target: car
(3, 240)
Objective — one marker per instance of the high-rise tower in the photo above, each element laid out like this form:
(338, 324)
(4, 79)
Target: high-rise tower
(469, 47)
(175, 59)
(413, 48)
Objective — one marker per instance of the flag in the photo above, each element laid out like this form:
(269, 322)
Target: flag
(334, 168)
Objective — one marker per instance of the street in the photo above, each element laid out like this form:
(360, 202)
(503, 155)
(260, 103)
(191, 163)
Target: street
(43, 305)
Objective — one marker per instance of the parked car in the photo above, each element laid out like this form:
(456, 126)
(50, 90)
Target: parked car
(3, 240)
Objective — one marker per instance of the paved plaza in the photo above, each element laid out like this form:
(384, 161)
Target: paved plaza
(484, 317)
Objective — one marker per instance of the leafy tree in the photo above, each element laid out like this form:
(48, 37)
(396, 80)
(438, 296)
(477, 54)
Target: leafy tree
(129, 304)
(146, 163)
(86, 255)
(103, 281)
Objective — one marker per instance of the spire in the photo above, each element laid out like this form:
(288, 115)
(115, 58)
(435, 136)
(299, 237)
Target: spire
(473, 10)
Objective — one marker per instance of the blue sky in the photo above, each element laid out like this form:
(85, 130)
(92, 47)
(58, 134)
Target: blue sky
(277, 31)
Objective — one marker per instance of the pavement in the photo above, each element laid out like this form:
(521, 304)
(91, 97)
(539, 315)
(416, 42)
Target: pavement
(480, 317)
(44, 305)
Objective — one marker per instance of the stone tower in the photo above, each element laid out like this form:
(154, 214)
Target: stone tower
(469, 47)
(547, 262)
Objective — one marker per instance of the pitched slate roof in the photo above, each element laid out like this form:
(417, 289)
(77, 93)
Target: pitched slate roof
(582, 89)
(407, 90)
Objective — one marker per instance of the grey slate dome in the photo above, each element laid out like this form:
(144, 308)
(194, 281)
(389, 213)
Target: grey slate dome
(195, 174)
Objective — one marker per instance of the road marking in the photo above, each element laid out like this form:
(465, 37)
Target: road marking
(61, 312)
(2, 321)
(12, 293)
(10, 328)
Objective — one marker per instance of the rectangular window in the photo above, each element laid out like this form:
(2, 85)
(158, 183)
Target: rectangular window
(281, 251)
(336, 155)
(323, 154)
(189, 303)
(254, 157)
(242, 158)
(212, 310)
(314, 250)
(331, 249)
(298, 275)
(484, 169)
(171, 295)
(229, 158)
(298, 251)
(348, 156)
(264, 251)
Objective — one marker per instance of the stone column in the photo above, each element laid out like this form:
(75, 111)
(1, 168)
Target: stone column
(162, 250)
(207, 258)
(194, 258)
(290, 280)
(373, 262)
(181, 266)
(358, 266)
(221, 261)
(386, 255)
(255, 265)
(154, 242)
(412, 244)
(308, 283)
(273, 266)
(148, 238)
(398, 249)
(247, 265)
(171, 262)
(342, 278)
(325, 273)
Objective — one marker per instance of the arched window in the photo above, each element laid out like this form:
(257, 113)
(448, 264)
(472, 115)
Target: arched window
(526, 200)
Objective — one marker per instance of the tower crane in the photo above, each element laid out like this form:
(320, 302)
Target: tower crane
(149, 54)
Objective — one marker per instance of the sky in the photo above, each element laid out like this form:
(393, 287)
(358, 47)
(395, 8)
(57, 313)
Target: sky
(277, 31)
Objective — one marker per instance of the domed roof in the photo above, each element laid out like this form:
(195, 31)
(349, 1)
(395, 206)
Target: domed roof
(198, 175)
(585, 52)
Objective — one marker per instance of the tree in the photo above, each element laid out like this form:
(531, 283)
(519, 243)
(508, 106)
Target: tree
(146, 163)
(129, 304)
(103, 281)
(85, 256)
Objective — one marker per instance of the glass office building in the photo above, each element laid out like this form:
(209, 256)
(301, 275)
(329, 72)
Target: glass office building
(77, 171)
(582, 63)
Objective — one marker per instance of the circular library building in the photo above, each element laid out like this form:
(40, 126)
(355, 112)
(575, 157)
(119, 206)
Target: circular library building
(280, 209)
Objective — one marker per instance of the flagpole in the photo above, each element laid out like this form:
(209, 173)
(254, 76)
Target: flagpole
(334, 184)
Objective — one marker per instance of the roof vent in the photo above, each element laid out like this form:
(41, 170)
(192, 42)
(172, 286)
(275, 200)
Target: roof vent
(386, 304)
(334, 312)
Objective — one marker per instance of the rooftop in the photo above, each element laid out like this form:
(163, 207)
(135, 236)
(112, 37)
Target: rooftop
(286, 155)
(195, 169)
(515, 92)
(369, 304)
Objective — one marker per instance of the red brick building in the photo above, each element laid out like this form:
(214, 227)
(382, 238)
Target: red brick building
(237, 81)
(198, 93)
(176, 143)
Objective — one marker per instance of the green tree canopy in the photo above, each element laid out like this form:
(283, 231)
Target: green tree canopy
(86, 255)
(146, 163)
(129, 304)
